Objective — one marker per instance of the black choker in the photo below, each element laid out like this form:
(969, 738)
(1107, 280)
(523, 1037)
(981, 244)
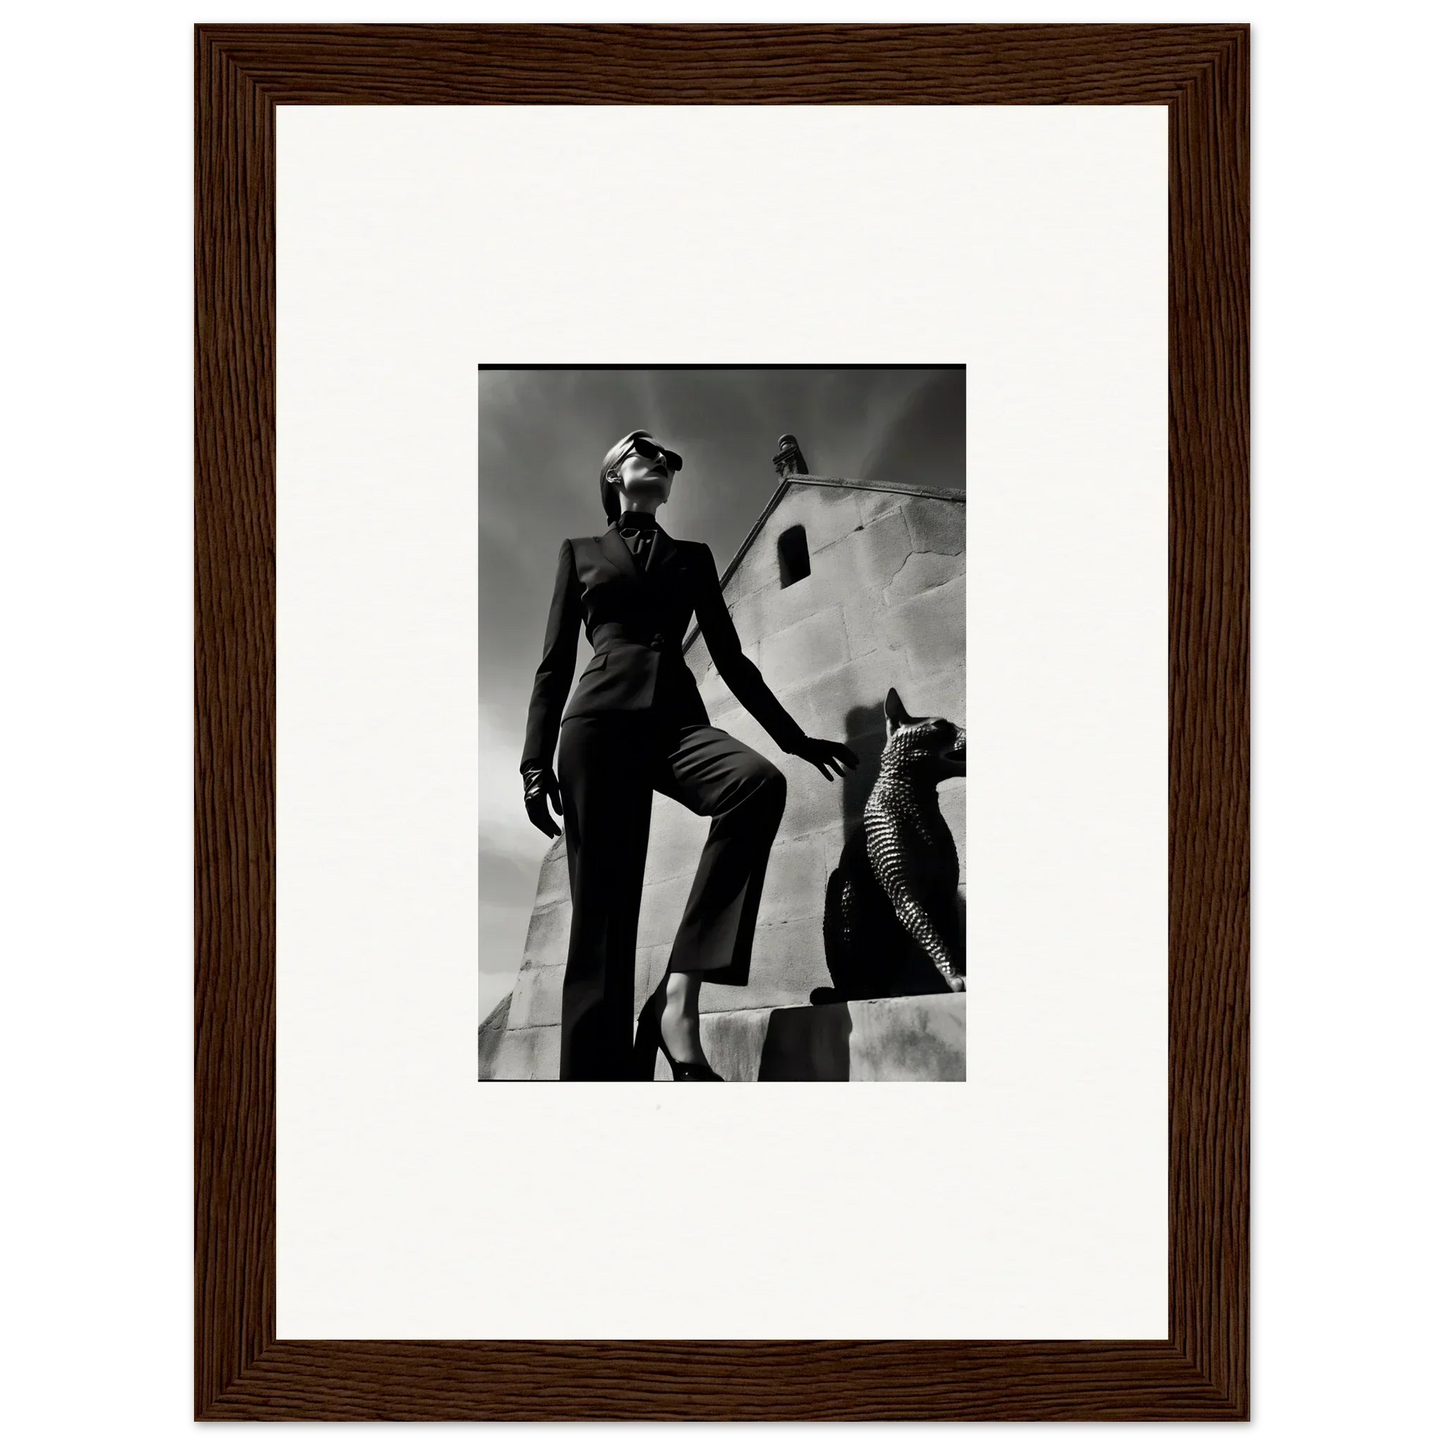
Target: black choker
(636, 521)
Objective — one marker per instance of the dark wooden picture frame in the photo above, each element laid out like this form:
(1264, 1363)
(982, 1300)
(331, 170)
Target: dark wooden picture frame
(242, 1371)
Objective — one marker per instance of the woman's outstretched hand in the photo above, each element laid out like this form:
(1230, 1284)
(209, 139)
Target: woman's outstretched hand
(540, 784)
(825, 755)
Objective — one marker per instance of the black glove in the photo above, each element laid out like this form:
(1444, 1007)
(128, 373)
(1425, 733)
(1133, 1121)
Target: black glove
(538, 785)
(824, 755)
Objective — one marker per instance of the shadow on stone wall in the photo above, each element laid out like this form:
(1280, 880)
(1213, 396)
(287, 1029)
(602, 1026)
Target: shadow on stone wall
(893, 1038)
(806, 1044)
(865, 730)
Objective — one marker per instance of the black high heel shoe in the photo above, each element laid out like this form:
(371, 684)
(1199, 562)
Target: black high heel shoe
(650, 1041)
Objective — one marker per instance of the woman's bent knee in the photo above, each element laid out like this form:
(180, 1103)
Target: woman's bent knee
(770, 787)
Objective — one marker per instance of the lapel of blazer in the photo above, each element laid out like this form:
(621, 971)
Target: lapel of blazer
(620, 554)
(665, 555)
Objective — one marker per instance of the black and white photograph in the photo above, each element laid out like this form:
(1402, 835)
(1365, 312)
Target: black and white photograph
(722, 723)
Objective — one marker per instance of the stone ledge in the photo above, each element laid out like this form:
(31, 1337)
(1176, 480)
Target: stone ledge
(916, 1039)
(862, 1041)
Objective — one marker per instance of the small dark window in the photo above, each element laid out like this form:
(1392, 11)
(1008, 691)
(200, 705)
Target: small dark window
(793, 564)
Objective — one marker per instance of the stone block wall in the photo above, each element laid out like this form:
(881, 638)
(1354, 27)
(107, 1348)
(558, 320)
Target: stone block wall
(883, 606)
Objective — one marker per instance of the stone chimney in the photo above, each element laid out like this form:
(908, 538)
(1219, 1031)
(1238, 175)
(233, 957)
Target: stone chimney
(789, 461)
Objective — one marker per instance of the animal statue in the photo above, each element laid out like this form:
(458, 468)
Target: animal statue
(891, 920)
(790, 459)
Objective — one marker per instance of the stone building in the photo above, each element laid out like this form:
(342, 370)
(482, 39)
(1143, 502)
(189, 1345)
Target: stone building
(842, 590)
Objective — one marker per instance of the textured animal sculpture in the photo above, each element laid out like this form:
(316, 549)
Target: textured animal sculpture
(891, 917)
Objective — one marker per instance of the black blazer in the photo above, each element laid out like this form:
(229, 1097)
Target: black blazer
(636, 620)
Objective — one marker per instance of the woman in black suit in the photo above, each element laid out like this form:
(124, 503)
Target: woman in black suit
(636, 725)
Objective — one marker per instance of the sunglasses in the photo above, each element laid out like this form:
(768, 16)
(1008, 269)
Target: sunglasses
(649, 451)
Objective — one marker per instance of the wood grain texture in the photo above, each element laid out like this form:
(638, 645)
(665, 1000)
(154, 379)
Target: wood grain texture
(242, 1370)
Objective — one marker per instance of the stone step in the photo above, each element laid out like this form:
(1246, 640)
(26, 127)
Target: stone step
(914, 1039)
(863, 1040)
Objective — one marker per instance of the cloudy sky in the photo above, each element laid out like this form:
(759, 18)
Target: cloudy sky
(541, 438)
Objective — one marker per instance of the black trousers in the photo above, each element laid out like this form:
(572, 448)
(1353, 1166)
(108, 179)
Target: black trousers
(609, 766)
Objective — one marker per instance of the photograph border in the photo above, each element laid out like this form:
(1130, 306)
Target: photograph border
(780, 483)
(242, 1371)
